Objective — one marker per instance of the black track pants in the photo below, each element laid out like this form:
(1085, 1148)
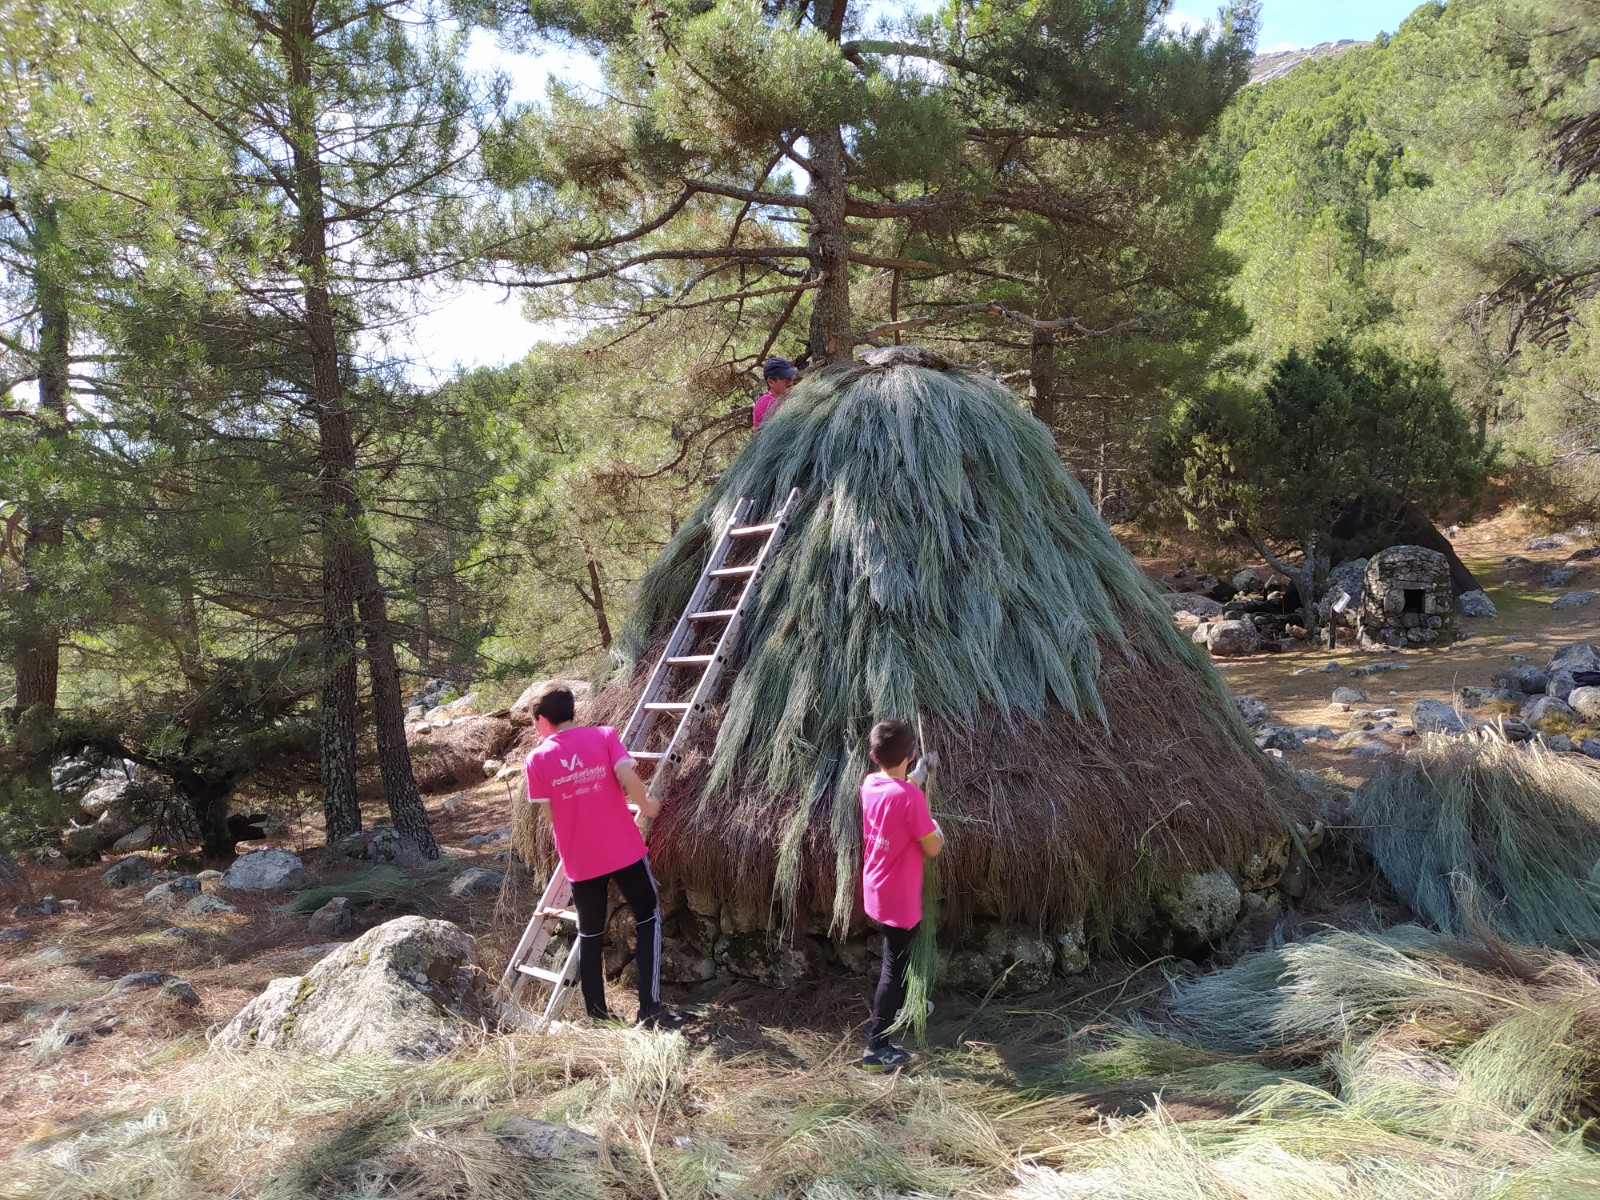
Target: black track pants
(891, 983)
(589, 897)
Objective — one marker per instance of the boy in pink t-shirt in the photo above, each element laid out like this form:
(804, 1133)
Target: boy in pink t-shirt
(898, 833)
(587, 777)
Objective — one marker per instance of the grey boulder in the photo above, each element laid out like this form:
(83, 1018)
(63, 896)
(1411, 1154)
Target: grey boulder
(476, 881)
(1476, 603)
(1538, 708)
(1585, 701)
(332, 919)
(1525, 678)
(410, 988)
(1573, 600)
(1435, 716)
(1228, 638)
(265, 871)
(130, 870)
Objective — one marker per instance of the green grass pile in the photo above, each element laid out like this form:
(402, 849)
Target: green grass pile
(942, 562)
(1472, 830)
(382, 883)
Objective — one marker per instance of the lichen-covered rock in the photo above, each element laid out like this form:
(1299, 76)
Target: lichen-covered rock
(1228, 638)
(410, 988)
(1344, 697)
(1573, 600)
(265, 871)
(332, 919)
(382, 843)
(204, 905)
(475, 881)
(1253, 709)
(173, 891)
(1193, 603)
(1265, 867)
(1072, 955)
(1522, 677)
(1585, 701)
(1201, 909)
(1435, 716)
(1576, 656)
(1476, 603)
(755, 957)
(131, 870)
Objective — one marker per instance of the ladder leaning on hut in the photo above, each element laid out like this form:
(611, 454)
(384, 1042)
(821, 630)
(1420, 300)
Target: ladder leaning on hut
(680, 688)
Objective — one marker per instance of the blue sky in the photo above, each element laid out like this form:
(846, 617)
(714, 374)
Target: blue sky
(477, 326)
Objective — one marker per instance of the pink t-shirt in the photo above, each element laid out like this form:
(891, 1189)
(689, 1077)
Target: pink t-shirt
(575, 770)
(767, 401)
(894, 818)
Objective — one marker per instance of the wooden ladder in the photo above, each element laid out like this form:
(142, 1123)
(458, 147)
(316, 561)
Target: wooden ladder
(697, 650)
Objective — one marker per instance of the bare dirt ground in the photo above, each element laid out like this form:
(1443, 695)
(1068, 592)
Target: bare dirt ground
(75, 1047)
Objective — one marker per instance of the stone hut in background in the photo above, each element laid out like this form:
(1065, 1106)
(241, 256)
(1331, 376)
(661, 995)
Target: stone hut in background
(1408, 598)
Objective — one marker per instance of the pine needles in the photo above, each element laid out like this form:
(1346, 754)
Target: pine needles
(942, 561)
(1482, 830)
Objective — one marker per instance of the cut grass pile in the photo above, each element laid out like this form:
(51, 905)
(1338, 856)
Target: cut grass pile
(1470, 830)
(1355, 1066)
(382, 883)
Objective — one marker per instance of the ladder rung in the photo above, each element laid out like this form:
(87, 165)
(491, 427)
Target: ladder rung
(560, 914)
(668, 706)
(714, 614)
(731, 572)
(542, 973)
(753, 530)
(691, 660)
(648, 755)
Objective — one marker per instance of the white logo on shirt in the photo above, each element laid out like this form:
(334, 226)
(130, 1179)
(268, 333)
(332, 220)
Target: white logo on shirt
(571, 764)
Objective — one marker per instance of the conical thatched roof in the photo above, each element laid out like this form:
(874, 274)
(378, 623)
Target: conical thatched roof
(944, 565)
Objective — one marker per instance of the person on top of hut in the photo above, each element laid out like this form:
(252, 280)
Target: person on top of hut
(780, 375)
(588, 778)
(898, 833)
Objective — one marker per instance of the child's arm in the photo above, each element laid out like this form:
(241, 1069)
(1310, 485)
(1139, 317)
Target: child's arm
(919, 818)
(638, 795)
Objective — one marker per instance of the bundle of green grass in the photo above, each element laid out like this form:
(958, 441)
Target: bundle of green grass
(1483, 832)
(942, 566)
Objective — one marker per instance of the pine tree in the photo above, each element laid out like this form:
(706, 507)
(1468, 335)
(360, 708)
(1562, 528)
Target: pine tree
(679, 190)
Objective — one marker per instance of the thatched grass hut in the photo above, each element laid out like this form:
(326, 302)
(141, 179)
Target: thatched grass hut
(942, 566)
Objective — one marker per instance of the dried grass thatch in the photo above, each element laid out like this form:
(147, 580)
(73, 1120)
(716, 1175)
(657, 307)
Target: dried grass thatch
(943, 564)
(1480, 829)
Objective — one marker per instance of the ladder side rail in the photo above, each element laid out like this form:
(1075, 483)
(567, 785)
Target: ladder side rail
(638, 724)
(557, 893)
(730, 633)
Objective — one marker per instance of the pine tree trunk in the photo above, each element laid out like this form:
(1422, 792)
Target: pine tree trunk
(350, 552)
(1042, 378)
(38, 649)
(337, 718)
(828, 247)
(388, 707)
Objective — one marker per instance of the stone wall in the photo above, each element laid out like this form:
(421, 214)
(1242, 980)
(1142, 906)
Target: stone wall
(1407, 597)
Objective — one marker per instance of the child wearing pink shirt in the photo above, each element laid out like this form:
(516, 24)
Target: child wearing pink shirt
(898, 833)
(587, 777)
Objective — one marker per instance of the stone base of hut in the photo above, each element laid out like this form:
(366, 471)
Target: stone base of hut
(704, 939)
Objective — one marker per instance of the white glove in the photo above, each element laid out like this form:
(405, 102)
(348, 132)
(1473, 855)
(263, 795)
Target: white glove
(919, 773)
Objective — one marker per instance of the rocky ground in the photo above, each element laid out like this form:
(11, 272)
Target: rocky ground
(1537, 617)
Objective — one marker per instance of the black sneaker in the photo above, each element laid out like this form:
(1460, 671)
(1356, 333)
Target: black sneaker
(887, 1058)
(663, 1018)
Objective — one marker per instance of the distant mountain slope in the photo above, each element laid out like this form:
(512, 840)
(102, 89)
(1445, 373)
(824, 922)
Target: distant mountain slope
(1266, 67)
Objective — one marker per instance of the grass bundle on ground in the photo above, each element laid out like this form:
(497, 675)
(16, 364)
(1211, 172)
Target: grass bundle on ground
(1479, 829)
(943, 562)
(381, 883)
